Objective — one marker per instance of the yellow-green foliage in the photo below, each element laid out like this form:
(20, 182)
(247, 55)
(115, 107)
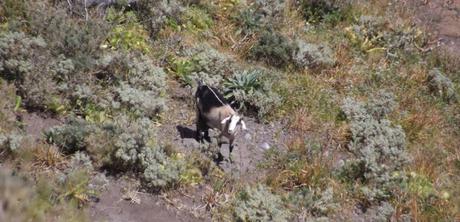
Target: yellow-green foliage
(197, 20)
(128, 33)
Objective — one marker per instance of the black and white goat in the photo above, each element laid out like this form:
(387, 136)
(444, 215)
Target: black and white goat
(213, 111)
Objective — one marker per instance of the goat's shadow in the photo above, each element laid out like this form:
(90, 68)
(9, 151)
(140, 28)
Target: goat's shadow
(188, 133)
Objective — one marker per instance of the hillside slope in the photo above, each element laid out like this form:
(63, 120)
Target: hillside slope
(353, 110)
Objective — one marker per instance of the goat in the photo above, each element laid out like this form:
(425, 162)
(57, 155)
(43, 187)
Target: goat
(213, 111)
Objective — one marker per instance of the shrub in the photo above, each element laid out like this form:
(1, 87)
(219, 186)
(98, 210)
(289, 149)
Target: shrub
(25, 61)
(135, 148)
(77, 38)
(127, 32)
(136, 83)
(141, 102)
(374, 33)
(378, 147)
(273, 48)
(259, 204)
(10, 142)
(196, 19)
(316, 11)
(441, 86)
(253, 91)
(157, 13)
(270, 8)
(71, 136)
(316, 202)
(248, 21)
(307, 55)
(211, 61)
(205, 63)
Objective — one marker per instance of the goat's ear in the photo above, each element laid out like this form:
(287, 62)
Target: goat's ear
(243, 125)
(199, 82)
(225, 120)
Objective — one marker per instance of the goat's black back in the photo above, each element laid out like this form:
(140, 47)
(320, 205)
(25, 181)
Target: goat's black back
(208, 99)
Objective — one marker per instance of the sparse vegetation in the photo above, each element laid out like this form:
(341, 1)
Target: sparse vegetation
(362, 108)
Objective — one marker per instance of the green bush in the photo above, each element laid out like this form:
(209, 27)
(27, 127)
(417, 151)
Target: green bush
(71, 136)
(248, 21)
(441, 86)
(26, 62)
(196, 19)
(378, 147)
(127, 33)
(273, 48)
(155, 14)
(317, 203)
(317, 11)
(205, 63)
(372, 33)
(135, 148)
(74, 37)
(259, 204)
(133, 83)
(308, 55)
(252, 90)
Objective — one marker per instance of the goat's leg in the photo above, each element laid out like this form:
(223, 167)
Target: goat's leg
(230, 148)
(201, 129)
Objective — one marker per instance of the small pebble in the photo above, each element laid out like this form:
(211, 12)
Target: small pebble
(265, 146)
(247, 136)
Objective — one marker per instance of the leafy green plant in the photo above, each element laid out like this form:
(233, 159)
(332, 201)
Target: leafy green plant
(127, 32)
(246, 81)
(317, 11)
(196, 19)
(252, 91)
(183, 69)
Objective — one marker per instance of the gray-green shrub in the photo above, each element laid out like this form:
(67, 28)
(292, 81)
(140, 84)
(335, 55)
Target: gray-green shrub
(317, 203)
(378, 147)
(70, 137)
(308, 55)
(157, 13)
(135, 148)
(273, 48)
(259, 204)
(26, 62)
(441, 86)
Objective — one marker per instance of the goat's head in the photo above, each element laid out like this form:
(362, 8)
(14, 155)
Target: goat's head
(233, 122)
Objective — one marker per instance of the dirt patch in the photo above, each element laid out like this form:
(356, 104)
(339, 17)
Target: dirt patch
(441, 18)
(121, 203)
(35, 124)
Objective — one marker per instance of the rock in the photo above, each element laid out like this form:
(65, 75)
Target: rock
(265, 146)
(247, 136)
(191, 143)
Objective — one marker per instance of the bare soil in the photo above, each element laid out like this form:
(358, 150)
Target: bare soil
(441, 18)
